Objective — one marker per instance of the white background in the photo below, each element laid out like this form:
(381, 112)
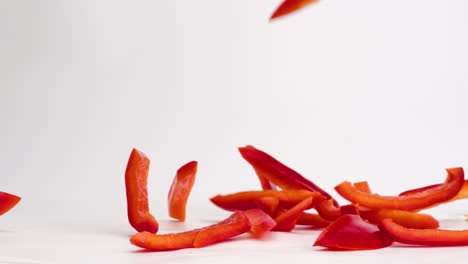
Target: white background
(344, 90)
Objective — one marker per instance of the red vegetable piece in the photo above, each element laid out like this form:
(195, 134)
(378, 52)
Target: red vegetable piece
(260, 222)
(326, 208)
(351, 232)
(407, 219)
(290, 6)
(362, 186)
(136, 176)
(265, 183)
(312, 220)
(8, 201)
(252, 199)
(287, 220)
(428, 237)
(234, 225)
(419, 200)
(268, 204)
(276, 172)
(180, 190)
(349, 209)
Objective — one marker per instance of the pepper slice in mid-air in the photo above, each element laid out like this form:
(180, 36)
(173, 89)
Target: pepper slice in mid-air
(351, 232)
(290, 6)
(136, 176)
(278, 173)
(180, 190)
(427, 237)
(423, 199)
(8, 201)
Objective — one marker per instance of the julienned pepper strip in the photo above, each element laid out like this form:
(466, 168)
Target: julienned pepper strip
(351, 232)
(268, 204)
(423, 199)
(180, 190)
(251, 199)
(290, 6)
(8, 201)
(265, 183)
(326, 208)
(312, 220)
(260, 222)
(136, 176)
(234, 225)
(286, 221)
(276, 172)
(427, 237)
(407, 219)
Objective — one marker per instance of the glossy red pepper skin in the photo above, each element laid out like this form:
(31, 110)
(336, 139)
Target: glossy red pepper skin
(252, 199)
(234, 225)
(290, 6)
(351, 232)
(312, 220)
(136, 176)
(427, 237)
(8, 201)
(442, 193)
(407, 219)
(180, 190)
(286, 221)
(278, 173)
(260, 222)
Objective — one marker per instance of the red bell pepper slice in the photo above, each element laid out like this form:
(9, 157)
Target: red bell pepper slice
(362, 186)
(136, 176)
(351, 232)
(8, 201)
(268, 204)
(326, 208)
(423, 199)
(180, 190)
(312, 220)
(405, 218)
(260, 222)
(251, 199)
(276, 172)
(290, 6)
(287, 220)
(427, 237)
(234, 225)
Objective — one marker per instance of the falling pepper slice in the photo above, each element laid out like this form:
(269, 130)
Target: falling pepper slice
(428, 237)
(351, 232)
(180, 190)
(286, 221)
(251, 199)
(136, 176)
(423, 199)
(278, 173)
(260, 222)
(8, 201)
(234, 225)
(407, 219)
(290, 6)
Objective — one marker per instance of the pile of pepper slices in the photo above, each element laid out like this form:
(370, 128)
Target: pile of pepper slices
(369, 221)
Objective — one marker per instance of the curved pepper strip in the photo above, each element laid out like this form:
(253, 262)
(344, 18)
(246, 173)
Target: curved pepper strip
(290, 6)
(362, 186)
(427, 237)
(407, 219)
(8, 201)
(278, 173)
(234, 225)
(136, 176)
(351, 232)
(312, 220)
(260, 222)
(251, 199)
(286, 221)
(265, 183)
(326, 208)
(180, 190)
(419, 200)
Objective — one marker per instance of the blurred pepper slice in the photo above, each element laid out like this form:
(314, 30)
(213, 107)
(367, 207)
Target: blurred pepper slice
(351, 232)
(423, 199)
(278, 173)
(312, 220)
(136, 176)
(427, 237)
(260, 222)
(234, 225)
(180, 190)
(407, 219)
(290, 6)
(286, 221)
(256, 199)
(8, 201)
